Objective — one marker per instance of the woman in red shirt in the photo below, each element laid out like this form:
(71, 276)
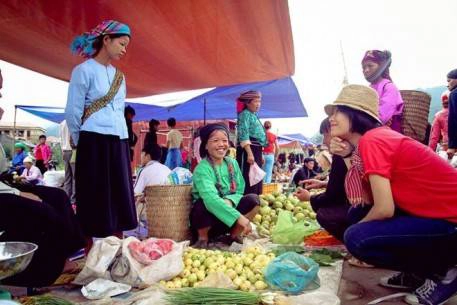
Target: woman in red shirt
(409, 197)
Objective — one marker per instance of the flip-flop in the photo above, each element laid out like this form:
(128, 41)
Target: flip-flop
(358, 263)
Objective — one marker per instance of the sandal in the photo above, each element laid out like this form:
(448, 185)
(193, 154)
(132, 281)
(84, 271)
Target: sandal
(358, 263)
(200, 244)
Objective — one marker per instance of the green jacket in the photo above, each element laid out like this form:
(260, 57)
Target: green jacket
(204, 187)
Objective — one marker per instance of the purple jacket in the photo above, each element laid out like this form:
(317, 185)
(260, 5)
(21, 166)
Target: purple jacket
(390, 103)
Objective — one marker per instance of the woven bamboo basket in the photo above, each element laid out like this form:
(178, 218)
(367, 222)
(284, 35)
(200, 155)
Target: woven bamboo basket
(167, 209)
(415, 113)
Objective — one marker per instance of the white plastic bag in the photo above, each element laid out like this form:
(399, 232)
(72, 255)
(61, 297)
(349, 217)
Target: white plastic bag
(110, 259)
(101, 288)
(256, 174)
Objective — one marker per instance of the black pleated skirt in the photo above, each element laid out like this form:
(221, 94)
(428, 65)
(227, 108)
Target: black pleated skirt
(241, 157)
(104, 188)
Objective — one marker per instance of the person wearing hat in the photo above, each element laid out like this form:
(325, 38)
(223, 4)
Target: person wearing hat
(218, 186)
(440, 125)
(251, 137)
(452, 118)
(407, 214)
(31, 173)
(95, 116)
(375, 65)
(17, 164)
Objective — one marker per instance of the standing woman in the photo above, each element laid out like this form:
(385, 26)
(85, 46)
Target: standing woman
(95, 118)
(375, 65)
(251, 137)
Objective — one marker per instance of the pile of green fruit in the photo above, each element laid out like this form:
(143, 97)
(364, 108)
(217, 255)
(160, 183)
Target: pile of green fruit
(245, 269)
(272, 204)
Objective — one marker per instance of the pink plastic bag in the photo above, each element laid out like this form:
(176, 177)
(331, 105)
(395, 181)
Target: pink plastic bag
(256, 174)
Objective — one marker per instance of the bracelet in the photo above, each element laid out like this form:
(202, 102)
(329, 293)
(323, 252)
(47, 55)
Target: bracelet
(350, 153)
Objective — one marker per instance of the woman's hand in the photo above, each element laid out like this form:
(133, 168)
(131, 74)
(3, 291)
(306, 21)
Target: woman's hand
(313, 184)
(245, 224)
(302, 194)
(340, 147)
(250, 159)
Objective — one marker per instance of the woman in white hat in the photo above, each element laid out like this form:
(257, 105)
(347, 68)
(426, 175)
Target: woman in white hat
(31, 173)
(407, 213)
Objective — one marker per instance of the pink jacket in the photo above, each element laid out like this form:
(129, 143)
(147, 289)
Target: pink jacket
(439, 129)
(46, 152)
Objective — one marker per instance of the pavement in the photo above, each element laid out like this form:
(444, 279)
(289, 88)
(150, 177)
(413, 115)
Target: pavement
(359, 286)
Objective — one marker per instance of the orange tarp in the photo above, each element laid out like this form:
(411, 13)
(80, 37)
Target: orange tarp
(176, 44)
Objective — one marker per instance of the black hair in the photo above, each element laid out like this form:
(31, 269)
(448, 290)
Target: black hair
(42, 137)
(129, 110)
(360, 121)
(98, 42)
(171, 122)
(153, 150)
(309, 160)
(153, 123)
(325, 126)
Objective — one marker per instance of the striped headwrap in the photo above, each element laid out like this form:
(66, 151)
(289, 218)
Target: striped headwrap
(83, 44)
(245, 98)
(383, 59)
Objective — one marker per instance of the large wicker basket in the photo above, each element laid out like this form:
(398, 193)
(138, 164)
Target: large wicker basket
(167, 210)
(415, 113)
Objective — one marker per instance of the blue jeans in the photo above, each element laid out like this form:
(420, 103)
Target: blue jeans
(423, 246)
(268, 167)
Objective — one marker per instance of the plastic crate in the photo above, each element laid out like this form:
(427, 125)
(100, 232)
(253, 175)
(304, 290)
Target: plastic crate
(269, 188)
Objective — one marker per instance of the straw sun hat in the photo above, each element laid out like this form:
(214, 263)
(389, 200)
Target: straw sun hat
(357, 97)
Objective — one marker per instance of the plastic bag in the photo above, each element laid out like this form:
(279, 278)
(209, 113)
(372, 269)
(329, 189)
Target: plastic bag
(110, 258)
(287, 231)
(256, 174)
(292, 272)
(180, 175)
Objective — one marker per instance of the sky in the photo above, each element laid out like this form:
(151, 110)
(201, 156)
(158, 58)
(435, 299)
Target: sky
(418, 33)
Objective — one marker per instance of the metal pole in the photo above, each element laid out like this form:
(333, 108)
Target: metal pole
(204, 111)
(14, 131)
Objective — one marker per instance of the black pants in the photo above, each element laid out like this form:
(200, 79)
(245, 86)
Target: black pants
(51, 224)
(333, 217)
(241, 157)
(41, 166)
(201, 218)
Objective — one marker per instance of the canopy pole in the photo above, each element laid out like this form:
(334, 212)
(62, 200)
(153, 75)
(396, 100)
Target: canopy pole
(14, 131)
(204, 111)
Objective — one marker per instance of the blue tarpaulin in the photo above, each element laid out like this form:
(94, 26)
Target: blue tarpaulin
(287, 138)
(280, 99)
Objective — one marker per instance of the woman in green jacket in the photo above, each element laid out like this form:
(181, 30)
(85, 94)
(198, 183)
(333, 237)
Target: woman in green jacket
(219, 204)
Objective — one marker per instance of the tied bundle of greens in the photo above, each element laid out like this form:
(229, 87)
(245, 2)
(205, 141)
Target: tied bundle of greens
(217, 296)
(44, 300)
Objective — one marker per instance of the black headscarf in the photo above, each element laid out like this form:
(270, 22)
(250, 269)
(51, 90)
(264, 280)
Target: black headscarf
(452, 74)
(205, 133)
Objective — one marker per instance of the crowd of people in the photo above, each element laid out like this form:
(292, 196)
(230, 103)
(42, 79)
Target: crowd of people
(390, 199)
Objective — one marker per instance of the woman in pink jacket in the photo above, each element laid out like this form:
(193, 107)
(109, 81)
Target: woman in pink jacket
(43, 154)
(375, 65)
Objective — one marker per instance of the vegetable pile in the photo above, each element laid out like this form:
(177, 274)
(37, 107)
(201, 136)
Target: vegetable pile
(272, 204)
(245, 269)
(217, 296)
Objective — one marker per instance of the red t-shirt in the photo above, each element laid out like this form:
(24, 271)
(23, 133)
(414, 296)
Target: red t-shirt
(271, 139)
(423, 184)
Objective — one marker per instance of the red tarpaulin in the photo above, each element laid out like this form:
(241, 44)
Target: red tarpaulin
(176, 45)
